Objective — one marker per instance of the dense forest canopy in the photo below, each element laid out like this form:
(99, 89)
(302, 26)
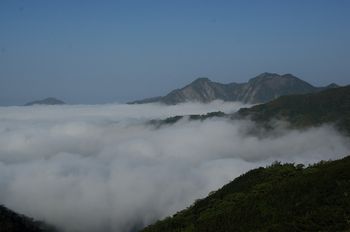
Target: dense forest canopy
(281, 197)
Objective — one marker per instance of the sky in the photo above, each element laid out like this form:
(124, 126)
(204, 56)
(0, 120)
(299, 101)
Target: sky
(92, 52)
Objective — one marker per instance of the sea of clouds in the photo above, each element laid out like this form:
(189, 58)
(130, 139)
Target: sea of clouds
(104, 168)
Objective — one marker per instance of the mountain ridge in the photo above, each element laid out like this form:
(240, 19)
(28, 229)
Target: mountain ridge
(329, 106)
(305, 110)
(260, 89)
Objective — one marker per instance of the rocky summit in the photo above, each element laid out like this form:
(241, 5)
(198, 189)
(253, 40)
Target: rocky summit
(260, 89)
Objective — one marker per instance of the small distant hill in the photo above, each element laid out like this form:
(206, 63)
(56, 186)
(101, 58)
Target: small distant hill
(14, 222)
(281, 197)
(260, 89)
(46, 101)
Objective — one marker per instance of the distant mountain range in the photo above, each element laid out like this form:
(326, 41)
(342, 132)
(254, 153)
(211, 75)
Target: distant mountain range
(301, 111)
(46, 101)
(281, 197)
(263, 88)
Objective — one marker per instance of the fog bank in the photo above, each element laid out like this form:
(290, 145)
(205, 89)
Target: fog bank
(101, 168)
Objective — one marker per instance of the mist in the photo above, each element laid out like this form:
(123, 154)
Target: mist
(104, 168)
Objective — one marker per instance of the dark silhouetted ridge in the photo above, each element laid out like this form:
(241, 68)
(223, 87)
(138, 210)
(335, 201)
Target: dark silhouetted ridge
(14, 222)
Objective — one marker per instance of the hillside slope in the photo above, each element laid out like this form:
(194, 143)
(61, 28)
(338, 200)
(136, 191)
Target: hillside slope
(14, 222)
(328, 106)
(284, 197)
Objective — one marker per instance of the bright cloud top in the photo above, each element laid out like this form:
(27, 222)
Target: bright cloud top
(100, 168)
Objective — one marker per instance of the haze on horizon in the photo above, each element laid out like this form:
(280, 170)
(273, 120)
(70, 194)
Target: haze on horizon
(116, 51)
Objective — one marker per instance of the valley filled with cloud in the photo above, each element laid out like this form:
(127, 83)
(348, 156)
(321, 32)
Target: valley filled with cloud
(105, 168)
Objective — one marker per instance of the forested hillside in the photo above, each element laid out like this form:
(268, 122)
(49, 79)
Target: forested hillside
(281, 197)
(14, 222)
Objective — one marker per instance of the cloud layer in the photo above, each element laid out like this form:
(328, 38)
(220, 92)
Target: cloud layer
(101, 168)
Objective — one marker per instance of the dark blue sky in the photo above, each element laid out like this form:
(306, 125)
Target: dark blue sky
(108, 51)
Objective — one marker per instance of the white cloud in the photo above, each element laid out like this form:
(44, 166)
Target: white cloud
(95, 168)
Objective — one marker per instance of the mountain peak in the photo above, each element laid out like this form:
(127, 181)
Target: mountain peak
(262, 88)
(272, 76)
(264, 76)
(288, 75)
(201, 80)
(332, 85)
(267, 74)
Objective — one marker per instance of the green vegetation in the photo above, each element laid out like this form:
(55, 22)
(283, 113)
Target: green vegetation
(328, 106)
(281, 197)
(13, 222)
